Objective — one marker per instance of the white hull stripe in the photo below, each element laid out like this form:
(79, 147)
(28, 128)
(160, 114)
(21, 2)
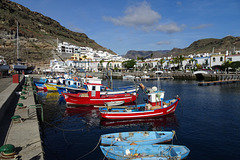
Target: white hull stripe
(137, 116)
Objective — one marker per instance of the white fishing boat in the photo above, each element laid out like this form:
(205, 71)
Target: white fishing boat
(57, 68)
(128, 77)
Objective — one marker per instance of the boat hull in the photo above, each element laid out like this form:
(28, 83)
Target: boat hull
(52, 87)
(138, 114)
(146, 152)
(136, 138)
(71, 90)
(85, 99)
(40, 85)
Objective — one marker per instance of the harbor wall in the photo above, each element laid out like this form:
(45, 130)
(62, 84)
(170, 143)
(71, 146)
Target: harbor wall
(8, 95)
(21, 127)
(175, 75)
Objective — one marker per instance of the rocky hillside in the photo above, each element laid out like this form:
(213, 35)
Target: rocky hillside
(200, 46)
(207, 45)
(132, 54)
(37, 34)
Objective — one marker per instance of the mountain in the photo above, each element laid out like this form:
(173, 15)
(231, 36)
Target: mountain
(200, 46)
(207, 46)
(37, 34)
(132, 54)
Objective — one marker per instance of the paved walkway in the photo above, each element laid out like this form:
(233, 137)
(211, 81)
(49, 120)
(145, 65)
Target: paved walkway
(5, 83)
(25, 136)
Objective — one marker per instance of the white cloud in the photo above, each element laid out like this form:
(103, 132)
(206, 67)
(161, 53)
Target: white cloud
(201, 26)
(143, 17)
(170, 28)
(179, 3)
(163, 43)
(140, 16)
(75, 28)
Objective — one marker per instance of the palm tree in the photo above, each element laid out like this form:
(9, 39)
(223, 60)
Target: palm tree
(181, 58)
(151, 55)
(161, 62)
(226, 65)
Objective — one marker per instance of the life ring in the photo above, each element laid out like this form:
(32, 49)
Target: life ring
(75, 79)
(87, 76)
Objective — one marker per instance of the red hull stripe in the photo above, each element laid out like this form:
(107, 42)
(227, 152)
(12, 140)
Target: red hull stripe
(140, 114)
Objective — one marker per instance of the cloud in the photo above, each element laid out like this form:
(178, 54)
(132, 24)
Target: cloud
(139, 16)
(163, 43)
(170, 28)
(142, 16)
(179, 3)
(75, 28)
(201, 26)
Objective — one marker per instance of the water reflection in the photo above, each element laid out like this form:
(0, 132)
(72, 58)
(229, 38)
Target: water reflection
(91, 116)
(169, 121)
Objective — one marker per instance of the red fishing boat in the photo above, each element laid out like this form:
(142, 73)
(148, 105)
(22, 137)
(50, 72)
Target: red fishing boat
(156, 106)
(93, 97)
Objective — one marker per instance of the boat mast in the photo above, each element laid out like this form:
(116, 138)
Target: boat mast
(17, 43)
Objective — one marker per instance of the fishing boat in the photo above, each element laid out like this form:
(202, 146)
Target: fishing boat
(40, 85)
(71, 89)
(137, 138)
(104, 90)
(156, 106)
(93, 97)
(128, 77)
(52, 87)
(146, 152)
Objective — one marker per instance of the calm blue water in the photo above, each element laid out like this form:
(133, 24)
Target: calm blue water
(207, 121)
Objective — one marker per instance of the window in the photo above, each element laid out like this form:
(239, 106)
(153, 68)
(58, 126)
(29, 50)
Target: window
(93, 88)
(214, 59)
(221, 59)
(206, 61)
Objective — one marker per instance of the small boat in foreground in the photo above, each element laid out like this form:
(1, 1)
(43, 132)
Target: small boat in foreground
(146, 152)
(137, 138)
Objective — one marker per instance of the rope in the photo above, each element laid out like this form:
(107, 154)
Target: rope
(91, 150)
(108, 151)
(71, 130)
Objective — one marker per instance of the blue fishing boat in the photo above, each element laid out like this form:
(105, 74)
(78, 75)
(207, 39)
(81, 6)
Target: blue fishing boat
(146, 152)
(137, 138)
(71, 89)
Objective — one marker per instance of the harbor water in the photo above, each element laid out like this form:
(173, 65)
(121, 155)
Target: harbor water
(206, 121)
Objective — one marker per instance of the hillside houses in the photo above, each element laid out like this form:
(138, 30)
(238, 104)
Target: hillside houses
(86, 58)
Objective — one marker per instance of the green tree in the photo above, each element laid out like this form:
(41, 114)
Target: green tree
(235, 65)
(181, 58)
(226, 65)
(161, 62)
(129, 64)
(140, 58)
(151, 55)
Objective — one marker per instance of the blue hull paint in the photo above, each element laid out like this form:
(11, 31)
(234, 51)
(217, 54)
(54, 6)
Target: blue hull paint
(137, 137)
(144, 152)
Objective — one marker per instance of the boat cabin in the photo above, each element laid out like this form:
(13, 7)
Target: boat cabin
(155, 97)
(93, 89)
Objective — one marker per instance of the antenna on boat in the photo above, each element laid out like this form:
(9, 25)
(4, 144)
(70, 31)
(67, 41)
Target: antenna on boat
(158, 82)
(17, 43)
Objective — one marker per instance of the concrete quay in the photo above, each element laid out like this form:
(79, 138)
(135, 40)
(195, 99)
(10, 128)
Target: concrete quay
(23, 133)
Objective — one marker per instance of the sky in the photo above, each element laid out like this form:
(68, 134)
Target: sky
(149, 25)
